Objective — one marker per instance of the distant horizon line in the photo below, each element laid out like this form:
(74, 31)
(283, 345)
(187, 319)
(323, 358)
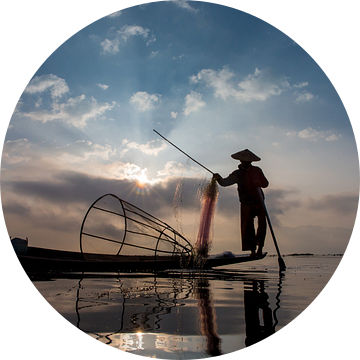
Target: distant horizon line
(306, 254)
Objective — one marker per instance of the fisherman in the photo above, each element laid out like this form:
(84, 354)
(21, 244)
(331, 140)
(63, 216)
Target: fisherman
(249, 178)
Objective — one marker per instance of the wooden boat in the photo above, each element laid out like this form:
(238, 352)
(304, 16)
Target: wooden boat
(118, 236)
(45, 260)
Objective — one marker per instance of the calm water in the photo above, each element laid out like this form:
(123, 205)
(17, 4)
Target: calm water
(189, 314)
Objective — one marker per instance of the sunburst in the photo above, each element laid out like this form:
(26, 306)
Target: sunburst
(141, 180)
(142, 183)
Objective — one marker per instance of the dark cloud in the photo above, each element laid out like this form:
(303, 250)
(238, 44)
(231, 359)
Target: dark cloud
(51, 211)
(72, 193)
(178, 193)
(16, 208)
(278, 202)
(68, 187)
(228, 202)
(78, 188)
(342, 204)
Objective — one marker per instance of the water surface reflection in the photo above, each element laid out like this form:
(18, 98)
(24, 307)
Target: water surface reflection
(186, 314)
(194, 314)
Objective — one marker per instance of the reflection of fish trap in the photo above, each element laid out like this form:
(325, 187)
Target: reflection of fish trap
(114, 228)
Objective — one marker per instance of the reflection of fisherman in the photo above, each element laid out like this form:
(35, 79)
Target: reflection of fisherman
(256, 300)
(249, 178)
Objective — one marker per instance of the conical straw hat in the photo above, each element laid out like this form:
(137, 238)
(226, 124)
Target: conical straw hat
(245, 155)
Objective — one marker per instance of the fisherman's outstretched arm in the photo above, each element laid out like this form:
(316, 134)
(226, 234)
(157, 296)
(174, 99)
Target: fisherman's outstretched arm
(230, 180)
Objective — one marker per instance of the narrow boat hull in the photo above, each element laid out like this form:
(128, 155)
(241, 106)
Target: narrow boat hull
(43, 260)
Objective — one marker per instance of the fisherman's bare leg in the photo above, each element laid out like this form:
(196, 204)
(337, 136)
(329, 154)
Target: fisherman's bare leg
(247, 228)
(261, 230)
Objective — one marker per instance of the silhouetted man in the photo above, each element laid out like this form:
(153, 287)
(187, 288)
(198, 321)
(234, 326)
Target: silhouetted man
(249, 178)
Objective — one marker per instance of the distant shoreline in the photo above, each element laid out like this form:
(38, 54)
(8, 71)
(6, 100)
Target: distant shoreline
(306, 254)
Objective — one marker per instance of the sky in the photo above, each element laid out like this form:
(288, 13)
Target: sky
(213, 80)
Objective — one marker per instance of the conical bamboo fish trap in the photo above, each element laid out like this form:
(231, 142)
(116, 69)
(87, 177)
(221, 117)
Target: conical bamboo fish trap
(115, 227)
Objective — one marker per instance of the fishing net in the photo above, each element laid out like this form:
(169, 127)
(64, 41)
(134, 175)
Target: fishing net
(209, 199)
(113, 226)
(201, 195)
(187, 195)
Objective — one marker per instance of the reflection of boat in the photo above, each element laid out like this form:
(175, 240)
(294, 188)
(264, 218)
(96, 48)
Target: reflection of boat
(158, 314)
(116, 235)
(45, 259)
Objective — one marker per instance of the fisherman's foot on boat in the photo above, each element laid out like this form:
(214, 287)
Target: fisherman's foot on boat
(259, 252)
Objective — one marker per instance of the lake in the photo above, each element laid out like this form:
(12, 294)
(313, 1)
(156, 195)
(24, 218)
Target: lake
(189, 314)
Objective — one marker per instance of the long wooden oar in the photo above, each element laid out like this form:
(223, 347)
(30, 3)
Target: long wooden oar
(281, 262)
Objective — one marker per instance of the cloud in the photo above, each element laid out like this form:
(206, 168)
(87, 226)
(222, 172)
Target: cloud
(46, 209)
(311, 134)
(301, 85)
(179, 56)
(172, 168)
(184, 4)
(314, 135)
(55, 84)
(150, 41)
(66, 188)
(23, 163)
(153, 54)
(16, 151)
(259, 86)
(25, 160)
(152, 147)
(332, 137)
(219, 80)
(292, 134)
(145, 101)
(110, 46)
(115, 14)
(193, 102)
(304, 96)
(278, 202)
(340, 203)
(83, 150)
(122, 36)
(75, 111)
(17, 208)
(132, 30)
(70, 187)
(174, 114)
(103, 86)
(22, 159)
